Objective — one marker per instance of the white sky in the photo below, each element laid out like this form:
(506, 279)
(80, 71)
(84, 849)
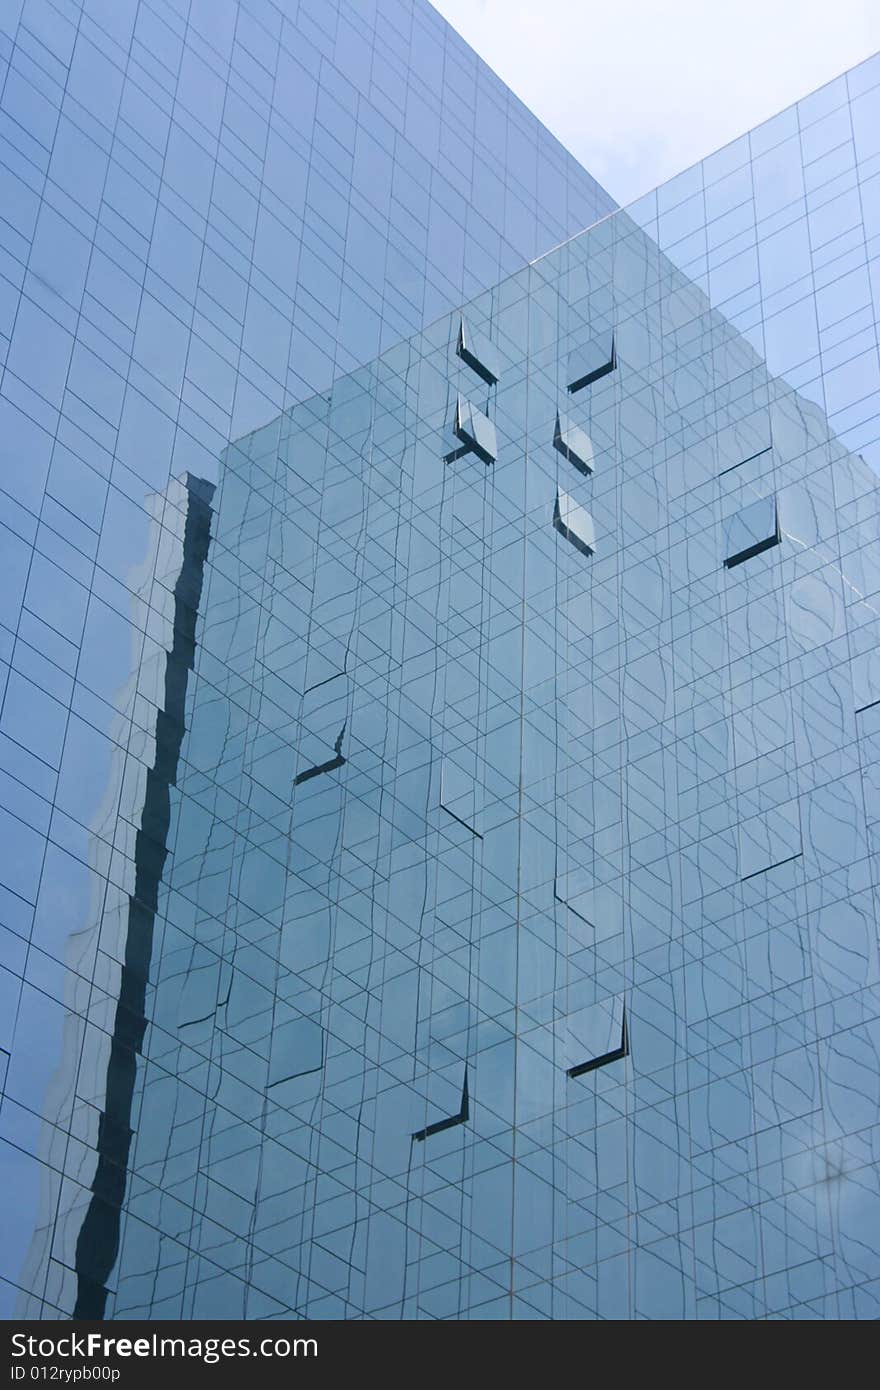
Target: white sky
(640, 89)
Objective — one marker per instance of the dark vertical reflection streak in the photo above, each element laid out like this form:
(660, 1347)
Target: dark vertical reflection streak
(98, 1241)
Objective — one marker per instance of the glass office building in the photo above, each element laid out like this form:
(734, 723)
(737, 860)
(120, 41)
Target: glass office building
(439, 763)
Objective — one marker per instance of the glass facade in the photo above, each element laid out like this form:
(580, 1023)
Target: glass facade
(208, 210)
(440, 836)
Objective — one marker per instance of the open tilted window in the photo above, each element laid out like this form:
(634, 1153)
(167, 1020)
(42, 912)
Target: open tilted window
(460, 1117)
(473, 433)
(742, 440)
(479, 353)
(592, 361)
(574, 522)
(459, 793)
(751, 531)
(595, 1036)
(323, 723)
(573, 443)
(297, 1048)
(770, 839)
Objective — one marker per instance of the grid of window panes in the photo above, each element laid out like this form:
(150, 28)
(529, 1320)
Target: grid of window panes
(781, 228)
(509, 880)
(520, 951)
(208, 209)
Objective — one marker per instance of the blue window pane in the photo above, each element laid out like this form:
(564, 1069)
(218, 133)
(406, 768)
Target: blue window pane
(590, 362)
(475, 431)
(574, 522)
(751, 531)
